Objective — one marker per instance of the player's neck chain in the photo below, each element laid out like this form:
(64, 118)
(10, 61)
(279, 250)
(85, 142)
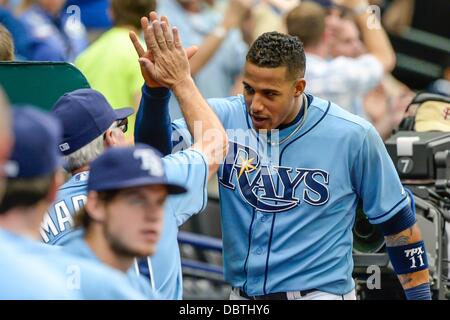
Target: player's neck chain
(299, 125)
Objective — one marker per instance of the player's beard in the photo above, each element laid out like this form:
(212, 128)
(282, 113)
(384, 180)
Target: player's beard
(117, 246)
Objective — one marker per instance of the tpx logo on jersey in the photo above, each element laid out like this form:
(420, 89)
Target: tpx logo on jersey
(271, 188)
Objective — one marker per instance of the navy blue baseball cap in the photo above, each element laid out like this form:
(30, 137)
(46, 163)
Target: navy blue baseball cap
(127, 167)
(85, 114)
(37, 135)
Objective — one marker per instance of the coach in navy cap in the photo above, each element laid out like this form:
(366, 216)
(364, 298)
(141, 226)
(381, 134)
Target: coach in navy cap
(86, 115)
(90, 126)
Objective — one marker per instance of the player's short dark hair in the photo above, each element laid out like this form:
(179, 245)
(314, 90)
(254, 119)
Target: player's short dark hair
(25, 193)
(274, 49)
(130, 12)
(82, 218)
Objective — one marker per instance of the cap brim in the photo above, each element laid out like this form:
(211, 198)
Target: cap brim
(123, 113)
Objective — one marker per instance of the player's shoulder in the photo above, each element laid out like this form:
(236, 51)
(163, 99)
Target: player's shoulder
(233, 102)
(230, 110)
(97, 280)
(76, 182)
(181, 166)
(339, 119)
(180, 158)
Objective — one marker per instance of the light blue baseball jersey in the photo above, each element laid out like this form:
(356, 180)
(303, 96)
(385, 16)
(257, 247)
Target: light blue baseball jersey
(188, 168)
(24, 277)
(58, 221)
(288, 200)
(79, 276)
(77, 246)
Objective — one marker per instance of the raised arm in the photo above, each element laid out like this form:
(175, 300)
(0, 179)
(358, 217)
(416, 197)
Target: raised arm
(170, 68)
(233, 18)
(153, 123)
(373, 34)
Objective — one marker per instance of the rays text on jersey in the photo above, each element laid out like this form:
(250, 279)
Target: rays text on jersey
(272, 188)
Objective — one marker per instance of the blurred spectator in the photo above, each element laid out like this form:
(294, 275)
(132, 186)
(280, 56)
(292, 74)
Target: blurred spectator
(266, 18)
(6, 45)
(110, 63)
(342, 80)
(346, 41)
(442, 85)
(60, 37)
(12, 3)
(398, 16)
(22, 41)
(282, 6)
(94, 13)
(385, 105)
(221, 56)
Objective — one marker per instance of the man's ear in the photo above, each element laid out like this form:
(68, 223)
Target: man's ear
(94, 207)
(110, 138)
(300, 86)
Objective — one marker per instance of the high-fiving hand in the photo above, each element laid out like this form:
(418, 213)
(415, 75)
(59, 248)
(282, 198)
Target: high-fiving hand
(164, 53)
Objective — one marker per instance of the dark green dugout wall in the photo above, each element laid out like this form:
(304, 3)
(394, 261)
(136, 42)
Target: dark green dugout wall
(39, 83)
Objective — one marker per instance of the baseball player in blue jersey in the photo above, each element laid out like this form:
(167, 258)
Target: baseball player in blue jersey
(31, 187)
(21, 283)
(296, 169)
(85, 115)
(16, 279)
(87, 132)
(123, 217)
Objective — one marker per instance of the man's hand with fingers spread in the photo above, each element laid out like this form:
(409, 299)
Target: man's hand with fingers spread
(147, 55)
(170, 64)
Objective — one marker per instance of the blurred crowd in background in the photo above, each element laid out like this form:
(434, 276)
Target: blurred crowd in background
(93, 34)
